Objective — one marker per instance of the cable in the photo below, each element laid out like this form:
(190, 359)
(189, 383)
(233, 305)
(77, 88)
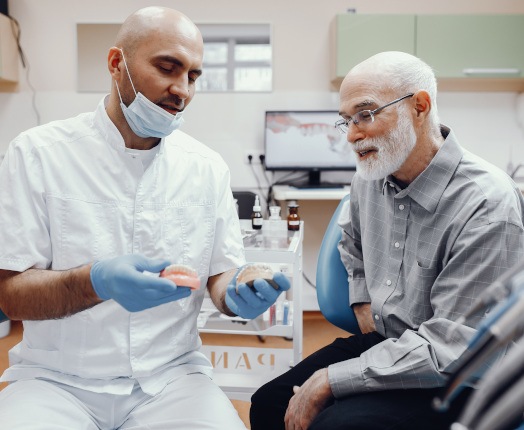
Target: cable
(506, 411)
(15, 27)
(308, 280)
(495, 383)
(503, 326)
(281, 181)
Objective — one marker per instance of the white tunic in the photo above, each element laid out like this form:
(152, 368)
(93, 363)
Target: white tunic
(70, 195)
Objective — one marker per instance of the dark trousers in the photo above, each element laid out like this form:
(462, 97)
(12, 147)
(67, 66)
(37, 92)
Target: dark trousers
(393, 410)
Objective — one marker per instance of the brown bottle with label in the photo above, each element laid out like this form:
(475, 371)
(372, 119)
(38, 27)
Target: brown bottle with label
(293, 219)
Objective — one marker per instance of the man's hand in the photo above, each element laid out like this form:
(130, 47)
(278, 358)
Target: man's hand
(364, 317)
(248, 303)
(309, 400)
(122, 279)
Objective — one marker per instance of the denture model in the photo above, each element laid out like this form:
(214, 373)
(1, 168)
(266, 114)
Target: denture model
(182, 275)
(251, 272)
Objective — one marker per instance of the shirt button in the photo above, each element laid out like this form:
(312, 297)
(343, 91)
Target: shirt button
(376, 317)
(388, 282)
(401, 207)
(397, 244)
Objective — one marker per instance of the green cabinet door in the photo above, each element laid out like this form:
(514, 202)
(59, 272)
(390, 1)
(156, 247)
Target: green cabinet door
(469, 46)
(358, 37)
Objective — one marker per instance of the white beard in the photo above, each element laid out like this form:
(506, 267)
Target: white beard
(392, 151)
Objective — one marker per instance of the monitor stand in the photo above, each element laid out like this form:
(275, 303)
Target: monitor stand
(314, 182)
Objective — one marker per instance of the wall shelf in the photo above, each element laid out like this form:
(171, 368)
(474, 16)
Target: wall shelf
(8, 51)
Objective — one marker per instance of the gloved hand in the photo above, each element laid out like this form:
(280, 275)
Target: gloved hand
(248, 303)
(122, 279)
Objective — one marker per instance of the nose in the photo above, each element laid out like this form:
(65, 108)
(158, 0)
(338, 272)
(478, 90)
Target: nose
(180, 88)
(354, 133)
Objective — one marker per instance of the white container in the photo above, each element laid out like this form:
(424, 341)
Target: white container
(5, 327)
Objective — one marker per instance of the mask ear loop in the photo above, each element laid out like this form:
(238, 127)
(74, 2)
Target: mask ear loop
(128, 75)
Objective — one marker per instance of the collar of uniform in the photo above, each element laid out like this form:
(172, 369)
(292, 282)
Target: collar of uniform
(428, 187)
(109, 131)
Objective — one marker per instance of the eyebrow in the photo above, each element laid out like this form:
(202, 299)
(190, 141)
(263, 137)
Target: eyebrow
(176, 61)
(365, 103)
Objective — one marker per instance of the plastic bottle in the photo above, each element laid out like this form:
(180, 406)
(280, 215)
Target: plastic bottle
(274, 220)
(293, 219)
(256, 216)
(285, 310)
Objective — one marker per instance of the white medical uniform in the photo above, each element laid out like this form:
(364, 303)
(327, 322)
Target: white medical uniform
(70, 195)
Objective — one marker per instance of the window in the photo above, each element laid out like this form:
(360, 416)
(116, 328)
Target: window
(237, 57)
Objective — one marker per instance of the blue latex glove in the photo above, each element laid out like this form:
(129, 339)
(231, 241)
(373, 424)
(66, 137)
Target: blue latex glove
(248, 303)
(122, 280)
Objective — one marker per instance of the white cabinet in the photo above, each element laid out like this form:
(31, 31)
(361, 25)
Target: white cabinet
(239, 370)
(8, 51)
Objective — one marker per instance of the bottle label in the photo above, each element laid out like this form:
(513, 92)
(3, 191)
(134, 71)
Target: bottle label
(294, 222)
(257, 221)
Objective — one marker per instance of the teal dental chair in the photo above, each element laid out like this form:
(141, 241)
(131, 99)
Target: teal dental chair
(332, 278)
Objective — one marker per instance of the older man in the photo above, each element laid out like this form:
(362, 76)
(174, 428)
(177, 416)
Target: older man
(88, 205)
(429, 226)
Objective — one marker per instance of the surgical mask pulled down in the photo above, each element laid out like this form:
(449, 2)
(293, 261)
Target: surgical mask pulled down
(145, 118)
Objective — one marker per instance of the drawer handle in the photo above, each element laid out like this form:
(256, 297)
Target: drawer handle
(491, 71)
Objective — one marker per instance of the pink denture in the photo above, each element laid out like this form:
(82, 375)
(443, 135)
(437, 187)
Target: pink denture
(181, 275)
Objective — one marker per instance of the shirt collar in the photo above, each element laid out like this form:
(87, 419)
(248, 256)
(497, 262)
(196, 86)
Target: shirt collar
(109, 131)
(428, 187)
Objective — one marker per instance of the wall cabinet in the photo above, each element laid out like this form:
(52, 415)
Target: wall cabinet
(467, 52)
(473, 50)
(356, 37)
(8, 51)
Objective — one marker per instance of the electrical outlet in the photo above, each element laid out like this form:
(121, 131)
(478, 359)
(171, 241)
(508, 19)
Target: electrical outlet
(255, 154)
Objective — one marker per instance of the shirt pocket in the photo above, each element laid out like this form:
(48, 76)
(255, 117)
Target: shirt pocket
(187, 234)
(84, 231)
(417, 301)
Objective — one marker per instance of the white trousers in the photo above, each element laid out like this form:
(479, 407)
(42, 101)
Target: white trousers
(191, 402)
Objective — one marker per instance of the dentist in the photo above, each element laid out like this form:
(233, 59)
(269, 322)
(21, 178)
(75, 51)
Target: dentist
(89, 208)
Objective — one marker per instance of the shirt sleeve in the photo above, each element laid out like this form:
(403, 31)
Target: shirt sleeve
(350, 248)
(228, 249)
(422, 358)
(23, 208)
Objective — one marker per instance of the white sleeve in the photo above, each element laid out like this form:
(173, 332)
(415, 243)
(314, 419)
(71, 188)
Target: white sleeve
(24, 219)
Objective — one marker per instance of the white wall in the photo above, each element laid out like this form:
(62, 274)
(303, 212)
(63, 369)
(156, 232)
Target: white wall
(486, 123)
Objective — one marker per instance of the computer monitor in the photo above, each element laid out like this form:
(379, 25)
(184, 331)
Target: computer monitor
(307, 141)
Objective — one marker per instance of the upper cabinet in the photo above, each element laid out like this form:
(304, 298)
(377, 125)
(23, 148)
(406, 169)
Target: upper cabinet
(8, 52)
(356, 37)
(467, 52)
(473, 51)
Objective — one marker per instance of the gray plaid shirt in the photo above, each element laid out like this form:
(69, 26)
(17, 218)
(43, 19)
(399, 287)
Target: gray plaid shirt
(420, 256)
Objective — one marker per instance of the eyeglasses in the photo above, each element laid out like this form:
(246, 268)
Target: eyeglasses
(364, 116)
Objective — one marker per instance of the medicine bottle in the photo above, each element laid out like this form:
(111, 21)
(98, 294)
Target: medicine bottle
(256, 216)
(293, 219)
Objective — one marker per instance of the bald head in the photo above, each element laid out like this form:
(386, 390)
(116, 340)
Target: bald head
(397, 72)
(149, 21)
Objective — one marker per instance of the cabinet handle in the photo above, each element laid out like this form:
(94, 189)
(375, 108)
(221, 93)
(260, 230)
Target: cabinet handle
(491, 71)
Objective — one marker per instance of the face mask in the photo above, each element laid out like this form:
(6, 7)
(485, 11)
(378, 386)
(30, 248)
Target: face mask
(145, 118)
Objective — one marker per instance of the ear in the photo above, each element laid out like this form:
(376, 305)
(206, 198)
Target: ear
(114, 58)
(422, 104)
